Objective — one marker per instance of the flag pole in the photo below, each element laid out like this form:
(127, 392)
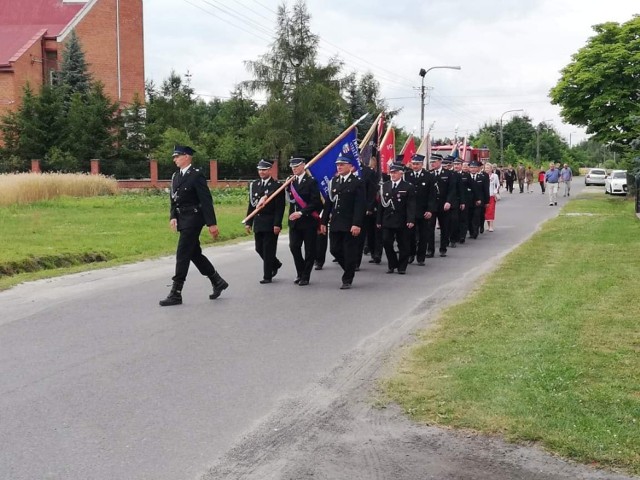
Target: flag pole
(311, 162)
(369, 134)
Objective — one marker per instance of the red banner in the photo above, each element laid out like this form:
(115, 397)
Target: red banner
(409, 150)
(387, 150)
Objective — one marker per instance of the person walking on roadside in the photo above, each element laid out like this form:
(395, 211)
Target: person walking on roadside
(551, 178)
(343, 216)
(425, 189)
(191, 208)
(305, 205)
(494, 190)
(528, 179)
(566, 175)
(510, 178)
(396, 217)
(521, 174)
(267, 223)
(541, 176)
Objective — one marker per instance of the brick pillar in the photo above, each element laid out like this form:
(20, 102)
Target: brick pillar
(95, 166)
(153, 171)
(35, 166)
(213, 173)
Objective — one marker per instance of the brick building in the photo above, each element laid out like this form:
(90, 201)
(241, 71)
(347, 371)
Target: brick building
(33, 33)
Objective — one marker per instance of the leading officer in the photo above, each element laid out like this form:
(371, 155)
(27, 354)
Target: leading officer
(191, 209)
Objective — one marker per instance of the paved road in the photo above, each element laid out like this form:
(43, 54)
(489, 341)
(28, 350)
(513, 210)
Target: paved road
(97, 381)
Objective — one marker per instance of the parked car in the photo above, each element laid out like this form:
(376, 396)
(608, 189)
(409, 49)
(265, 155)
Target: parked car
(616, 183)
(596, 176)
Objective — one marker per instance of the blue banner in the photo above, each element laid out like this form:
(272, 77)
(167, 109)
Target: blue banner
(324, 168)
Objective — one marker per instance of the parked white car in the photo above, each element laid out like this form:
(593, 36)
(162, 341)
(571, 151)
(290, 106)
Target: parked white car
(596, 176)
(616, 183)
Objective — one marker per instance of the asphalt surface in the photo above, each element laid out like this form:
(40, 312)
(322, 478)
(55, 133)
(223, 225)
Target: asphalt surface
(99, 382)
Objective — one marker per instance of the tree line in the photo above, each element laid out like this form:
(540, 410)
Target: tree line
(308, 103)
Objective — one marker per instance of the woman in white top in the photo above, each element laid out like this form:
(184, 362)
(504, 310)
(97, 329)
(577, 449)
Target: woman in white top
(494, 189)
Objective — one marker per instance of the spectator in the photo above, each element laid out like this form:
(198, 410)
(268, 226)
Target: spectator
(565, 177)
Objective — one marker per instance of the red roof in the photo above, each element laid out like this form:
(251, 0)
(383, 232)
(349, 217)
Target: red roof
(22, 20)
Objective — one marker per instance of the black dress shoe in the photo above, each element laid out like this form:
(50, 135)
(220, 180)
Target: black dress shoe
(462, 240)
(274, 272)
(391, 270)
(452, 244)
(402, 272)
(318, 266)
(302, 283)
(265, 280)
(420, 263)
(412, 259)
(375, 260)
(296, 281)
(358, 268)
(443, 254)
(429, 255)
(345, 286)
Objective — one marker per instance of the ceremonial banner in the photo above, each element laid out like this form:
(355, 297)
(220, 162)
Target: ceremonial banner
(424, 150)
(351, 147)
(387, 150)
(324, 168)
(408, 150)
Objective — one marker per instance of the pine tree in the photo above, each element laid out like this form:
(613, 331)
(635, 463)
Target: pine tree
(74, 75)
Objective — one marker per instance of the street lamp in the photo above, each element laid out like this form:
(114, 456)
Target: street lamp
(501, 136)
(571, 133)
(423, 73)
(538, 139)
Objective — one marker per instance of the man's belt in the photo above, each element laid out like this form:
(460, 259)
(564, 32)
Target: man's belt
(190, 209)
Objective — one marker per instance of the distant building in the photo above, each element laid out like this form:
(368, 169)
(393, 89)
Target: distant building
(33, 34)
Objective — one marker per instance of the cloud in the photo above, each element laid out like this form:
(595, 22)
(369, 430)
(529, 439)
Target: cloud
(511, 53)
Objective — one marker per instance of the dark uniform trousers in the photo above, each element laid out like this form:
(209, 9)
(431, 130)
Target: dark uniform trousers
(192, 207)
(347, 209)
(402, 236)
(368, 234)
(425, 191)
(476, 212)
(189, 250)
(446, 194)
(266, 247)
(322, 242)
(304, 231)
(455, 214)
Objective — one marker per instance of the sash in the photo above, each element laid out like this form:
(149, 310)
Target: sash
(302, 203)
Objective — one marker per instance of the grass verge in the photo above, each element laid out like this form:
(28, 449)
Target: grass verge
(67, 235)
(548, 348)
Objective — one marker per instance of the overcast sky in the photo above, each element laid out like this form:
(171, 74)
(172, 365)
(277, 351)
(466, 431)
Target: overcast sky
(511, 51)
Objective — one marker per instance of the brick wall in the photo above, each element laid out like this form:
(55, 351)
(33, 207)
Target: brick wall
(12, 83)
(97, 34)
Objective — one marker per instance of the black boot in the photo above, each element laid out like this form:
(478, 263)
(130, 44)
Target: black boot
(175, 295)
(218, 285)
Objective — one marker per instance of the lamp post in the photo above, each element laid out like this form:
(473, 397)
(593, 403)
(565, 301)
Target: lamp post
(571, 133)
(538, 139)
(501, 136)
(423, 73)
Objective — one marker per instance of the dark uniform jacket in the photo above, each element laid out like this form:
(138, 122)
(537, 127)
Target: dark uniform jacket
(425, 187)
(347, 204)
(478, 189)
(271, 214)
(456, 185)
(485, 187)
(466, 189)
(397, 207)
(445, 192)
(308, 190)
(191, 202)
